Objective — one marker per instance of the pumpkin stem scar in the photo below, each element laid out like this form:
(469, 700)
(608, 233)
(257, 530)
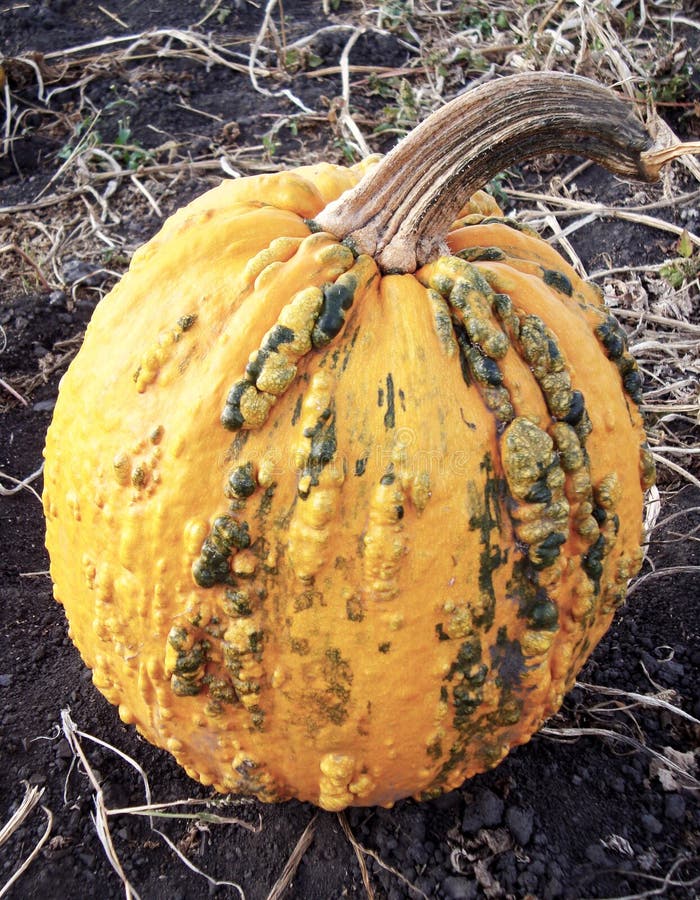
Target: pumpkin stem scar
(401, 211)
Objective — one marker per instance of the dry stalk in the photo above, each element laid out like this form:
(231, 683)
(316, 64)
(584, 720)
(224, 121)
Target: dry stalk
(362, 851)
(153, 811)
(369, 890)
(573, 734)
(286, 877)
(653, 702)
(10, 390)
(32, 795)
(662, 883)
(24, 484)
(253, 71)
(31, 798)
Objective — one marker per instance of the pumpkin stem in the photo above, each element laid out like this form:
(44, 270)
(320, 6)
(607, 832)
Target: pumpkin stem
(401, 211)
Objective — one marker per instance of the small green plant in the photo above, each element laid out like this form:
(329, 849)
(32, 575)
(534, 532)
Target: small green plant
(126, 149)
(393, 14)
(347, 150)
(483, 18)
(685, 267)
(270, 143)
(381, 87)
(672, 88)
(403, 114)
(300, 60)
(496, 187)
(84, 134)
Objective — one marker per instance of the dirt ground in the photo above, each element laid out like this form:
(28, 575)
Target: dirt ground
(603, 803)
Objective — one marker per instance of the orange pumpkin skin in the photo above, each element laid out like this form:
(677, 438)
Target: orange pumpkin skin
(388, 569)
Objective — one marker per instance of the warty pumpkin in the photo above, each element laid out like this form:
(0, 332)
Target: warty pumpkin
(346, 481)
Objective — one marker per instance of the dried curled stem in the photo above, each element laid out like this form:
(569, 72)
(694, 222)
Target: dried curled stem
(400, 212)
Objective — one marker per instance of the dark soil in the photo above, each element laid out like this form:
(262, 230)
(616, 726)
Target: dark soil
(580, 818)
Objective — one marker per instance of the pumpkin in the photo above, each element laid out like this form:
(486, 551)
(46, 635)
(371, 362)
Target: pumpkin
(346, 481)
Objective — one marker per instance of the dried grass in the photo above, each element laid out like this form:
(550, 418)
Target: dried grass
(31, 798)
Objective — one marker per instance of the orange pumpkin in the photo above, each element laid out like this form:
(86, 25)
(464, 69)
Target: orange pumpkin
(337, 512)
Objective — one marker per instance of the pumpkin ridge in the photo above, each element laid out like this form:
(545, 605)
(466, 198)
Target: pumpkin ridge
(310, 320)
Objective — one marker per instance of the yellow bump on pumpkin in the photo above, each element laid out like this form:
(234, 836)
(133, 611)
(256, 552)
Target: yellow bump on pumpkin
(279, 676)
(139, 475)
(104, 585)
(395, 621)
(340, 257)
(309, 531)
(443, 322)
(536, 643)
(336, 776)
(255, 406)
(609, 491)
(292, 191)
(160, 352)
(361, 786)
(531, 468)
(472, 297)
(73, 504)
(647, 467)
(126, 715)
(278, 250)
(276, 374)
(121, 465)
(299, 315)
(383, 541)
(419, 490)
(89, 570)
(245, 563)
(267, 469)
(318, 485)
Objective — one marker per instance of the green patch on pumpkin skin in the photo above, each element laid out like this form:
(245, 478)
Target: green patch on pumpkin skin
(213, 563)
(187, 321)
(188, 669)
(534, 605)
(434, 749)
(300, 646)
(443, 321)
(266, 501)
(241, 482)
(297, 409)
(483, 371)
(509, 665)
(390, 414)
(354, 609)
(337, 673)
(361, 466)
(455, 758)
(593, 562)
(558, 280)
(237, 603)
(183, 687)
(322, 450)
(481, 254)
(486, 520)
(338, 297)
(389, 477)
(306, 600)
